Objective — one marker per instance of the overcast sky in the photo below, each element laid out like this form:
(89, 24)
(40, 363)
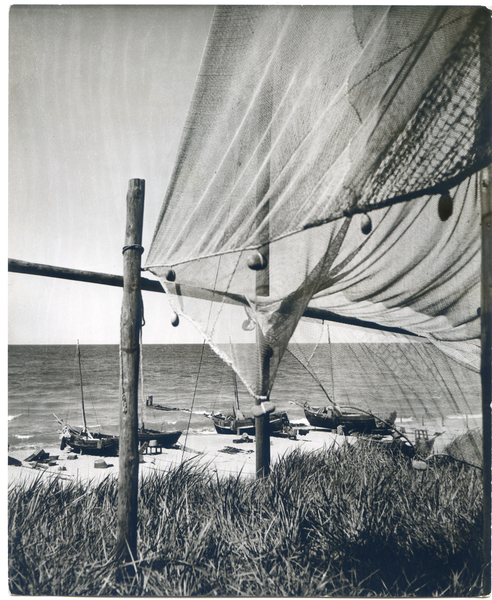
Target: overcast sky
(98, 96)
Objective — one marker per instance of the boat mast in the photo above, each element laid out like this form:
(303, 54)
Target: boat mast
(81, 388)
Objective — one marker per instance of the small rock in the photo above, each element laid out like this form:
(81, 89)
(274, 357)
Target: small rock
(100, 463)
(72, 456)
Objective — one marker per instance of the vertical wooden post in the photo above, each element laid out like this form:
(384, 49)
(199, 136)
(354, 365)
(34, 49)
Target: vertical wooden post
(264, 352)
(131, 320)
(486, 362)
(262, 423)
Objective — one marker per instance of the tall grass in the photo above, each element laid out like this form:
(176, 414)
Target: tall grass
(356, 522)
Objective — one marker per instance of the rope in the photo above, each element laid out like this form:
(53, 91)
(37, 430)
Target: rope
(133, 247)
(193, 400)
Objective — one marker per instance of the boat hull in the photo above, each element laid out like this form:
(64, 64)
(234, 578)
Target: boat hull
(231, 426)
(165, 439)
(98, 445)
(327, 418)
(108, 445)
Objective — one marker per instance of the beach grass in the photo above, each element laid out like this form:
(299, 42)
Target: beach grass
(352, 522)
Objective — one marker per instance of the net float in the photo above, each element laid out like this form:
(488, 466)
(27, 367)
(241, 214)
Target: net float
(365, 224)
(257, 262)
(248, 325)
(445, 207)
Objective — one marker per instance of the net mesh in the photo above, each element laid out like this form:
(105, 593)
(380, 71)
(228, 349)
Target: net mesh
(426, 388)
(303, 118)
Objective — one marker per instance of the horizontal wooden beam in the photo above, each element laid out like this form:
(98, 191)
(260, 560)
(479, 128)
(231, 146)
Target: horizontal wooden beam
(28, 268)
(326, 315)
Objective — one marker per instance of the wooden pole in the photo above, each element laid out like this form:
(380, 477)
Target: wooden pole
(486, 362)
(262, 423)
(28, 268)
(131, 320)
(264, 352)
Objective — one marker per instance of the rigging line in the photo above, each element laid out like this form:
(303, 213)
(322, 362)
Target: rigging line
(193, 400)
(330, 347)
(200, 364)
(313, 375)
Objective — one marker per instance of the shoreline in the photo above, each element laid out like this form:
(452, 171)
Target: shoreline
(218, 453)
(221, 454)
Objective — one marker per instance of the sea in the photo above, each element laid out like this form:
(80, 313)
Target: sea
(44, 384)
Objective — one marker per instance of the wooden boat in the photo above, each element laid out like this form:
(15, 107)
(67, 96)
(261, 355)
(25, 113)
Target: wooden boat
(350, 418)
(237, 424)
(84, 441)
(232, 425)
(165, 439)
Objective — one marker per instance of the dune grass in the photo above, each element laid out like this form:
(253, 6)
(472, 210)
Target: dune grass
(355, 522)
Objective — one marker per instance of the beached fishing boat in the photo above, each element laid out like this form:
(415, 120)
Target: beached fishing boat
(85, 442)
(348, 417)
(164, 439)
(236, 423)
(82, 440)
(230, 424)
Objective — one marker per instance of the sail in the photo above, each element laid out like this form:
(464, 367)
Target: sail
(344, 143)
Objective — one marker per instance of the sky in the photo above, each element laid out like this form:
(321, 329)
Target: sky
(98, 95)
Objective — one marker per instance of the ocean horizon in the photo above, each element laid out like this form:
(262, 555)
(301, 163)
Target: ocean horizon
(43, 381)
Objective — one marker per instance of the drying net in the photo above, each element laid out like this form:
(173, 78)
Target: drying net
(304, 119)
(428, 390)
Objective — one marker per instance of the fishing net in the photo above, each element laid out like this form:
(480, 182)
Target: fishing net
(427, 389)
(304, 119)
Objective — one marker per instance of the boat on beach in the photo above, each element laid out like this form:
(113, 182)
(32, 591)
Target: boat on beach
(86, 442)
(100, 444)
(236, 426)
(165, 439)
(236, 423)
(82, 440)
(350, 418)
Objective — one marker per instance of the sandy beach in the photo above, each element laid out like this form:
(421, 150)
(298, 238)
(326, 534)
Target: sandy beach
(218, 453)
